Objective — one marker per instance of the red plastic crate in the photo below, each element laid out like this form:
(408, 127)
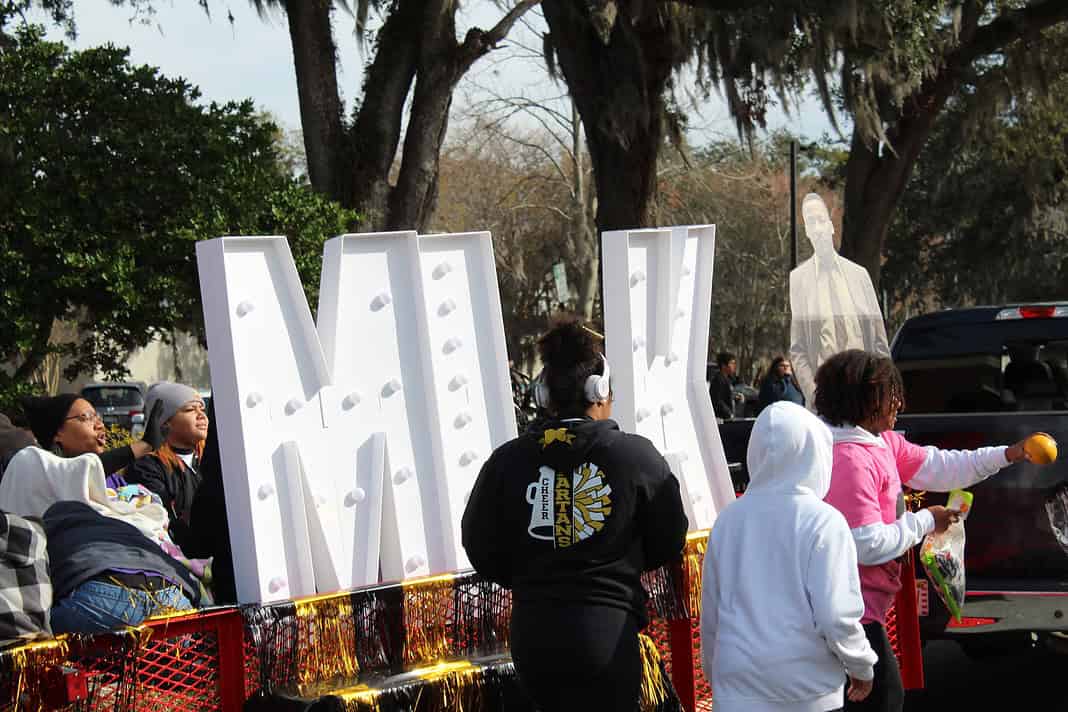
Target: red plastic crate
(194, 662)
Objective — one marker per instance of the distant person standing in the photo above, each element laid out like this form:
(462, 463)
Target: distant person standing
(780, 385)
(722, 386)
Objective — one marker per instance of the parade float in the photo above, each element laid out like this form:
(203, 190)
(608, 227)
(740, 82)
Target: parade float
(349, 445)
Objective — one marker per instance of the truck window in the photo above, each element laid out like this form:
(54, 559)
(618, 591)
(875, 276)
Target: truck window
(1012, 374)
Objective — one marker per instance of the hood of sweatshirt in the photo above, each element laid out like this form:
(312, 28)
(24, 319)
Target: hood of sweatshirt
(790, 452)
(564, 443)
(847, 433)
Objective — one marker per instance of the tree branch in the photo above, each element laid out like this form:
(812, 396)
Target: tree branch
(722, 5)
(550, 208)
(1006, 28)
(478, 42)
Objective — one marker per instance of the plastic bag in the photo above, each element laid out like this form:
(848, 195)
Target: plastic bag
(1057, 511)
(942, 556)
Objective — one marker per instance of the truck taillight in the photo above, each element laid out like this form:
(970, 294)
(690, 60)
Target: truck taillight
(1045, 311)
(970, 622)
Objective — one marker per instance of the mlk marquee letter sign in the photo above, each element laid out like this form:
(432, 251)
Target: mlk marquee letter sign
(658, 298)
(349, 447)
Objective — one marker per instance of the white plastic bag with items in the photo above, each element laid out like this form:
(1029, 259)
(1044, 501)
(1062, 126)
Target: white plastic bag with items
(942, 556)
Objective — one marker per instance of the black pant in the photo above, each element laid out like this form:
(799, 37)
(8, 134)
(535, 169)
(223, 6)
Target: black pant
(577, 657)
(887, 693)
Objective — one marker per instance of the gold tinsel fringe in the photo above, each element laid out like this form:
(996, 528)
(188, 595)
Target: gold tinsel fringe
(327, 642)
(654, 687)
(427, 612)
(444, 687)
(25, 665)
(693, 557)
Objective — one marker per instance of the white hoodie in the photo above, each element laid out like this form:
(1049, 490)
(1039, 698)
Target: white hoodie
(781, 604)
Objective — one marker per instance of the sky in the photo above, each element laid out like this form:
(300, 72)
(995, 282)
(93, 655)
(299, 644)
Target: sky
(252, 57)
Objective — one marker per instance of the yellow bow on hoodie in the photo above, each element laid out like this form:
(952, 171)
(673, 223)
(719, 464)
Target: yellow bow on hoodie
(558, 435)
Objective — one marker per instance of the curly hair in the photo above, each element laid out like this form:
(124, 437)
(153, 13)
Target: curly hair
(571, 354)
(854, 386)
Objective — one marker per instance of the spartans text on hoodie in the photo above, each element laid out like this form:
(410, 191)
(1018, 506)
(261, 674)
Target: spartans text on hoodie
(574, 510)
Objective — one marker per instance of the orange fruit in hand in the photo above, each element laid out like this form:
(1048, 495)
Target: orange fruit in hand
(1042, 448)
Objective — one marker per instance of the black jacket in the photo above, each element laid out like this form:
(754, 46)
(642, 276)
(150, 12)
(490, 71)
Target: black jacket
(177, 490)
(12, 439)
(208, 524)
(722, 396)
(574, 511)
(776, 389)
(83, 543)
(117, 459)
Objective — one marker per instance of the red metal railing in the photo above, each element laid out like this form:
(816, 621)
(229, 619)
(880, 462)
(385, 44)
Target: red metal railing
(206, 661)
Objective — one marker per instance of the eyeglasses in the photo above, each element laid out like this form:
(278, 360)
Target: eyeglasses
(89, 416)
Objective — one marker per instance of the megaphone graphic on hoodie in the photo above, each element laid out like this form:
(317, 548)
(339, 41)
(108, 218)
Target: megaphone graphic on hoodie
(540, 497)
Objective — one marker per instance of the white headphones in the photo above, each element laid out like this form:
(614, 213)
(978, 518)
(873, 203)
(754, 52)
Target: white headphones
(597, 389)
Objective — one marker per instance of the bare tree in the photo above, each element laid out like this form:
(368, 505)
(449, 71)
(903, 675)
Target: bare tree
(557, 138)
(418, 57)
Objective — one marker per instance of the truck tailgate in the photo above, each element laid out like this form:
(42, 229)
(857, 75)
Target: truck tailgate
(1010, 544)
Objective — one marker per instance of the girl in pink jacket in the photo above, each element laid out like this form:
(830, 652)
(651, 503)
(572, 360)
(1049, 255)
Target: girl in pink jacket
(859, 395)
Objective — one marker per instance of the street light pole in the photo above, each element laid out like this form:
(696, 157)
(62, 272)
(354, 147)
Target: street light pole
(793, 204)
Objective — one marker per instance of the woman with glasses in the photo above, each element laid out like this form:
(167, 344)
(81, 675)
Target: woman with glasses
(780, 384)
(173, 470)
(69, 426)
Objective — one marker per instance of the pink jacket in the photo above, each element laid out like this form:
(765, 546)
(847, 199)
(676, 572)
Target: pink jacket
(866, 480)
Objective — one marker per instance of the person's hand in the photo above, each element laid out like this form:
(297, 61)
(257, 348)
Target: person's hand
(153, 428)
(739, 397)
(858, 689)
(943, 517)
(1016, 452)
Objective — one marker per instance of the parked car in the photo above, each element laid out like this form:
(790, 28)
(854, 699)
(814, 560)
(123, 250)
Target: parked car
(117, 403)
(974, 377)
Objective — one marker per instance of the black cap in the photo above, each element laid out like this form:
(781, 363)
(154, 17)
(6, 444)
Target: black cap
(47, 414)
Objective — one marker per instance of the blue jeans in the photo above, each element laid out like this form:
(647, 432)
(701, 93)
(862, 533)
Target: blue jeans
(97, 607)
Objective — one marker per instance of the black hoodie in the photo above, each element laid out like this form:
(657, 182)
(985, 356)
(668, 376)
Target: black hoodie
(574, 511)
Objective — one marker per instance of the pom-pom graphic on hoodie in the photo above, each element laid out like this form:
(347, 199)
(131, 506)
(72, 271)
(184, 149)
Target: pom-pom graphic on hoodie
(567, 508)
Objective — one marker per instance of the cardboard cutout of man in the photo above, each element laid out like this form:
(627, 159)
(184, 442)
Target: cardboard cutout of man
(833, 306)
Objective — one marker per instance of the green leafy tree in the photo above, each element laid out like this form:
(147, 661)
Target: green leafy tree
(890, 66)
(984, 218)
(111, 173)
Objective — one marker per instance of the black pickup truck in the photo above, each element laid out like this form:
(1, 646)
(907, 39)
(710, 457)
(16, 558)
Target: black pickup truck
(974, 377)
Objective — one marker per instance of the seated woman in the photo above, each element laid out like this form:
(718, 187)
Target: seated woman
(107, 574)
(69, 426)
(173, 470)
(111, 559)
